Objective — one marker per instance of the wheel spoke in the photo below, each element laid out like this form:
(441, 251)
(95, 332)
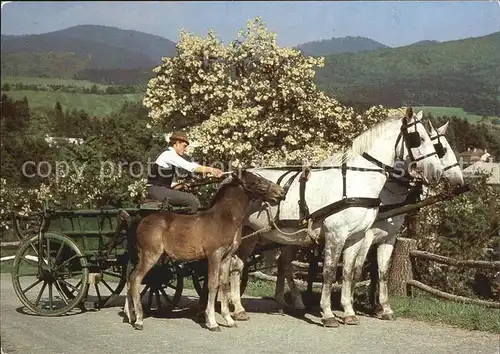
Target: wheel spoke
(31, 286)
(40, 293)
(97, 291)
(50, 296)
(27, 260)
(60, 292)
(107, 286)
(70, 285)
(158, 299)
(165, 295)
(59, 253)
(65, 262)
(144, 290)
(48, 255)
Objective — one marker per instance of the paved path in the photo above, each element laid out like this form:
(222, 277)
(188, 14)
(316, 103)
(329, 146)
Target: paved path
(103, 332)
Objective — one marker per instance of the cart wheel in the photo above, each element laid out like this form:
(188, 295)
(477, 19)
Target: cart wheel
(163, 282)
(111, 281)
(39, 279)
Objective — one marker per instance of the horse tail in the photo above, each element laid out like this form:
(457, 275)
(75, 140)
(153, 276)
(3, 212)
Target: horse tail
(131, 232)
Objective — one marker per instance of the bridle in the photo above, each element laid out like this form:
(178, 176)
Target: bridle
(440, 149)
(249, 190)
(411, 140)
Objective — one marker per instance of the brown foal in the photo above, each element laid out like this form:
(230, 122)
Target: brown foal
(212, 234)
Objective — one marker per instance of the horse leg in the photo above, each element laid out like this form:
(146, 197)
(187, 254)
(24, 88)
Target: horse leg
(214, 265)
(279, 290)
(245, 249)
(146, 261)
(236, 268)
(288, 256)
(333, 249)
(384, 253)
(225, 291)
(350, 255)
(127, 308)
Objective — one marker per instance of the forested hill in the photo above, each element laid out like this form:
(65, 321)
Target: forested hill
(340, 45)
(463, 73)
(81, 47)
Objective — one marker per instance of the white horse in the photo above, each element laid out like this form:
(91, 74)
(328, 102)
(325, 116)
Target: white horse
(384, 232)
(395, 139)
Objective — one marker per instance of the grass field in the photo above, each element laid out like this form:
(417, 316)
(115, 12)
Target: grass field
(94, 105)
(451, 111)
(49, 81)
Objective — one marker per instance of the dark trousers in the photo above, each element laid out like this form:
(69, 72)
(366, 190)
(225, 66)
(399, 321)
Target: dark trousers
(175, 197)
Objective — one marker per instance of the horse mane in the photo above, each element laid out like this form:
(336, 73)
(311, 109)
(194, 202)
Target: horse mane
(220, 190)
(362, 142)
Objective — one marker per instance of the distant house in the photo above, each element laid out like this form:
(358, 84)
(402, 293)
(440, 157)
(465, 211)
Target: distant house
(473, 155)
(482, 167)
(53, 141)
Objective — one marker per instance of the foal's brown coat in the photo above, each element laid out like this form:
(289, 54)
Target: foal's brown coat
(214, 234)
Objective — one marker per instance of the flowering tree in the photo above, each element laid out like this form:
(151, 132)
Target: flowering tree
(250, 102)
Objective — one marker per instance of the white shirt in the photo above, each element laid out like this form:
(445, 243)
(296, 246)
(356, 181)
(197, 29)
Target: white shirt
(169, 158)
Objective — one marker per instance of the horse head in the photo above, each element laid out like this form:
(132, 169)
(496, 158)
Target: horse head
(258, 187)
(451, 169)
(417, 149)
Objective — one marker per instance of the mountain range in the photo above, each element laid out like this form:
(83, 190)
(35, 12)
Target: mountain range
(462, 73)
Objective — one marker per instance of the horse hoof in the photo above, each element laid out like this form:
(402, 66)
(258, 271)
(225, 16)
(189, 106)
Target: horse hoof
(214, 329)
(241, 316)
(233, 325)
(138, 327)
(388, 317)
(330, 322)
(351, 320)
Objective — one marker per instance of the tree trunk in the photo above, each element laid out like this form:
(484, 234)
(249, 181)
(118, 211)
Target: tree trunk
(401, 266)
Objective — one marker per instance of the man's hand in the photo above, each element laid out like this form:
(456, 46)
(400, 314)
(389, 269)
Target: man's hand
(179, 186)
(216, 172)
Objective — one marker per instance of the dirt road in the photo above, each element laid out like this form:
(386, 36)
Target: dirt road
(103, 332)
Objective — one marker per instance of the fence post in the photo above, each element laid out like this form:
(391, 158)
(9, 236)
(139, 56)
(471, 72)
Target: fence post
(401, 267)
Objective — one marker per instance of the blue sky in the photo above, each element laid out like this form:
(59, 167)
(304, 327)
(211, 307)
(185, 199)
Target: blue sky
(392, 23)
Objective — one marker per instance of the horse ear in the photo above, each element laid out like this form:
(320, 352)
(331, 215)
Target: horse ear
(409, 112)
(442, 130)
(419, 115)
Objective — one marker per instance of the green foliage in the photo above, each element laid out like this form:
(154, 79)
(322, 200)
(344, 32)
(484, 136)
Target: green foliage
(461, 134)
(94, 104)
(456, 112)
(462, 73)
(459, 228)
(48, 64)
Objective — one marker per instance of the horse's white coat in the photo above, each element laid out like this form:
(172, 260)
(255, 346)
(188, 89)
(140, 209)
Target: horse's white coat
(347, 227)
(384, 232)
